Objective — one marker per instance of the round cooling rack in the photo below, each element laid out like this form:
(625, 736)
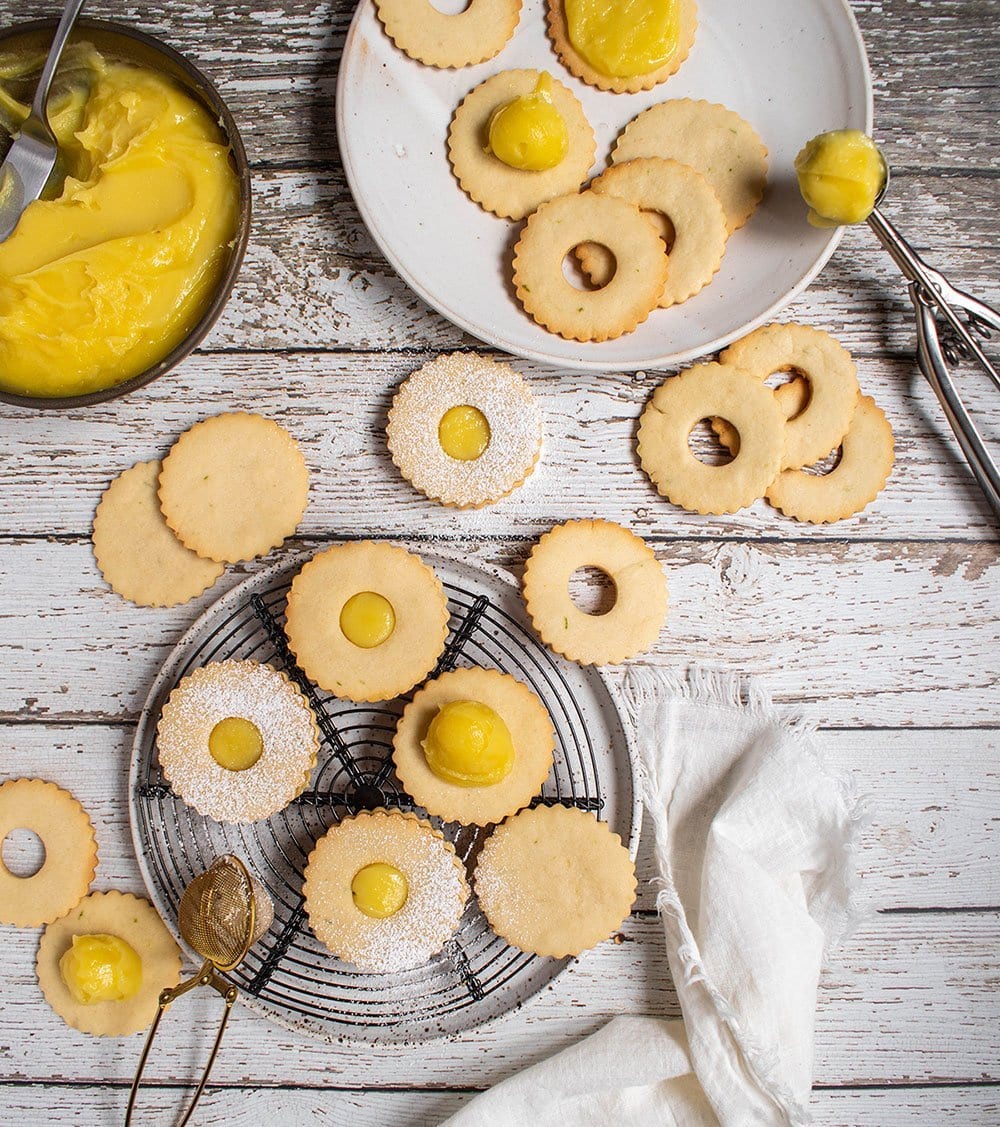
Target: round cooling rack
(289, 976)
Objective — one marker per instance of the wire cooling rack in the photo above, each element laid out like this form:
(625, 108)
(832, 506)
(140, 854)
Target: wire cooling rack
(289, 976)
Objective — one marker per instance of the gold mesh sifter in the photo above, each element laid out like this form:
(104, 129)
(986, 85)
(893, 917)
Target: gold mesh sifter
(222, 913)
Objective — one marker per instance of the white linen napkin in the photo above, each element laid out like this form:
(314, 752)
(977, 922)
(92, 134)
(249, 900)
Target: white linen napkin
(754, 842)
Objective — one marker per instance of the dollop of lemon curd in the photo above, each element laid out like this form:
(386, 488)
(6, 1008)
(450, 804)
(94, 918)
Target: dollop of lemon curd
(235, 743)
(105, 279)
(367, 619)
(101, 968)
(464, 433)
(379, 890)
(469, 745)
(530, 133)
(840, 176)
(624, 38)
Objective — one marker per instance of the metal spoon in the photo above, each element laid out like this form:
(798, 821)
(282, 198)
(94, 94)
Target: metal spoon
(950, 327)
(32, 155)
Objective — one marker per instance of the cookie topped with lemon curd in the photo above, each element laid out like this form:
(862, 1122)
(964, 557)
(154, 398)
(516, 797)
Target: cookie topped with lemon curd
(366, 621)
(473, 746)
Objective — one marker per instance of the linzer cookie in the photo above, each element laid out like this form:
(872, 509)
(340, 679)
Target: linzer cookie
(431, 36)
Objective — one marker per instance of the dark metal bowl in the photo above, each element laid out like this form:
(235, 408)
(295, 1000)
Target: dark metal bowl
(130, 45)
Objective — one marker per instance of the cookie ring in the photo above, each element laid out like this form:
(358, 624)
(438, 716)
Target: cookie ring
(702, 392)
(833, 384)
(437, 891)
(513, 193)
(631, 626)
(865, 464)
(129, 918)
(505, 401)
(249, 691)
(430, 36)
(67, 833)
(589, 315)
(712, 139)
(530, 727)
(576, 64)
(138, 555)
(686, 198)
(792, 398)
(317, 597)
(554, 881)
(233, 487)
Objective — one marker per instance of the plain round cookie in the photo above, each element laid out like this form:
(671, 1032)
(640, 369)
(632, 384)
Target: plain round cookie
(137, 923)
(513, 193)
(317, 597)
(686, 198)
(437, 891)
(233, 487)
(431, 36)
(632, 84)
(865, 464)
(250, 691)
(824, 363)
(589, 315)
(554, 881)
(634, 622)
(531, 732)
(703, 392)
(138, 555)
(712, 139)
(504, 398)
(67, 834)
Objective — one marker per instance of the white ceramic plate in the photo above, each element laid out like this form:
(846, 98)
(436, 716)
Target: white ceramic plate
(792, 68)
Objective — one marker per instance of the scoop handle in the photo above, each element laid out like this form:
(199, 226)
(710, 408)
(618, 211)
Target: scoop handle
(205, 977)
(70, 11)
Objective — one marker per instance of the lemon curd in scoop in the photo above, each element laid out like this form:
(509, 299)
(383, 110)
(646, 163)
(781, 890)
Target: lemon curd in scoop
(101, 968)
(840, 176)
(624, 38)
(105, 279)
(468, 744)
(530, 133)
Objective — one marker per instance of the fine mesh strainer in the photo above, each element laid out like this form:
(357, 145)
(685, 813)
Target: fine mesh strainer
(222, 913)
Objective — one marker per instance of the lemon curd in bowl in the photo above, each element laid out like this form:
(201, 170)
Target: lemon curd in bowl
(124, 264)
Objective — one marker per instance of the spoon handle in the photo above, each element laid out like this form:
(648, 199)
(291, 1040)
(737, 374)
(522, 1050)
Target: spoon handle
(40, 101)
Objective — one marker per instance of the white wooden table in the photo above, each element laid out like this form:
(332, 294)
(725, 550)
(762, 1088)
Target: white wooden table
(883, 629)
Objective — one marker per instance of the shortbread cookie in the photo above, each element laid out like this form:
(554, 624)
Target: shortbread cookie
(139, 557)
(514, 192)
(66, 833)
(431, 36)
(589, 315)
(384, 891)
(832, 377)
(554, 881)
(865, 464)
(233, 487)
(686, 199)
(526, 720)
(381, 595)
(792, 397)
(633, 623)
(500, 411)
(128, 918)
(703, 392)
(577, 64)
(237, 741)
(717, 142)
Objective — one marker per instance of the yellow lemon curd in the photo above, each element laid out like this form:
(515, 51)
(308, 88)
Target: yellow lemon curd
(624, 38)
(469, 745)
(235, 743)
(367, 619)
(840, 176)
(379, 890)
(105, 279)
(464, 433)
(101, 968)
(529, 133)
